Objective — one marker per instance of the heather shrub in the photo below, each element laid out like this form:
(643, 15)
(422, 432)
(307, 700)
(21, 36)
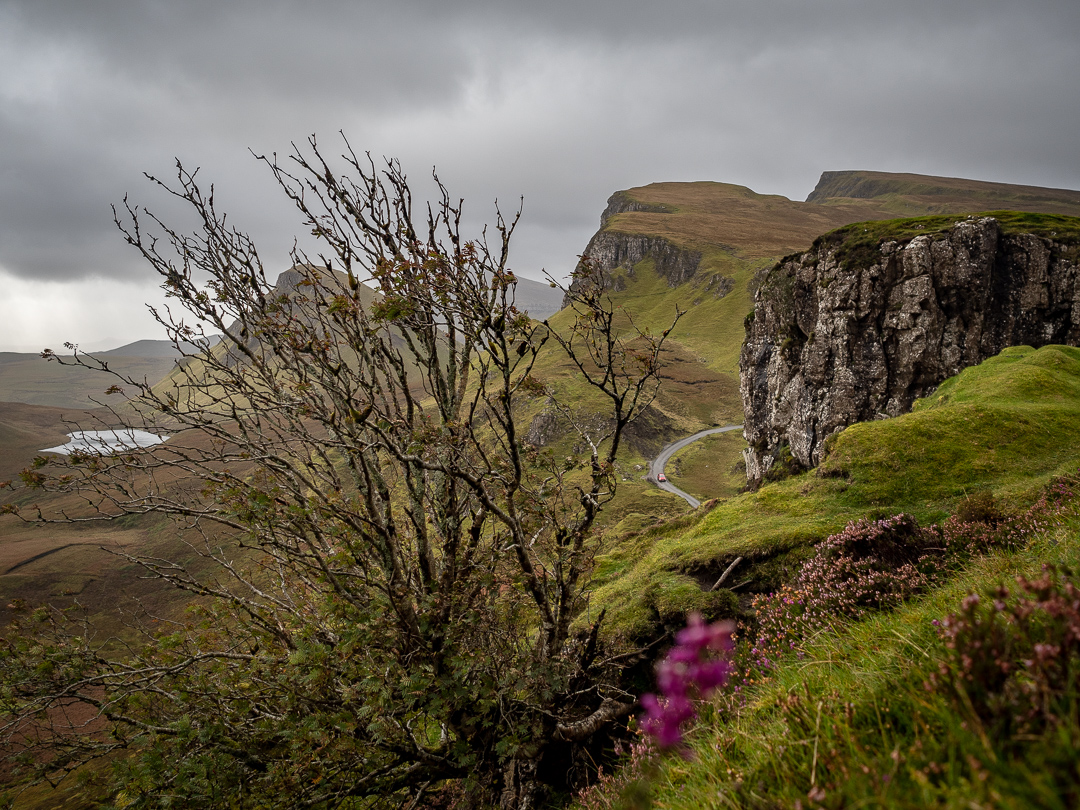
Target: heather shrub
(870, 564)
(697, 666)
(628, 785)
(1013, 661)
(979, 508)
(875, 564)
(962, 539)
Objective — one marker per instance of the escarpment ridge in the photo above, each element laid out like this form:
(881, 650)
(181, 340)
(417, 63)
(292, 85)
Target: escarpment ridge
(703, 229)
(914, 194)
(611, 248)
(703, 246)
(876, 315)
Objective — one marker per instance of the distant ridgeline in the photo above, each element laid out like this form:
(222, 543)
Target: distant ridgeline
(877, 314)
(676, 225)
(917, 194)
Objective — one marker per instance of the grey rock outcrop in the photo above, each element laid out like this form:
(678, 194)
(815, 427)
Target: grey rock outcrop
(833, 341)
(611, 249)
(620, 203)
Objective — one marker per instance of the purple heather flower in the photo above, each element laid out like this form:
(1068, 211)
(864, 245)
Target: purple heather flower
(711, 675)
(687, 672)
(671, 678)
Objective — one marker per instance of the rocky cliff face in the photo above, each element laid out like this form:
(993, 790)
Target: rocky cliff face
(621, 202)
(837, 338)
(611, 248)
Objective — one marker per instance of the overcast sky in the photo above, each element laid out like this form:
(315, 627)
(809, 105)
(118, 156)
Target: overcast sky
(560, 101)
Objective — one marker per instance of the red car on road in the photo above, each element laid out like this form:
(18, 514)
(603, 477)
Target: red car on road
(661, 478)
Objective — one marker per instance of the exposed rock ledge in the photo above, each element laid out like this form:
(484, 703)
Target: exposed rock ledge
(620, 203)
(611, 249)
(828, 346)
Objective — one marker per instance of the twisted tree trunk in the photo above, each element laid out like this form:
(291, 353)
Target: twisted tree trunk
(521, 789)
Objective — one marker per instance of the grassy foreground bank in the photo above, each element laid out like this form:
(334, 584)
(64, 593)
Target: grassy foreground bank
(900, 706)
(1005, 427)
(903, 708)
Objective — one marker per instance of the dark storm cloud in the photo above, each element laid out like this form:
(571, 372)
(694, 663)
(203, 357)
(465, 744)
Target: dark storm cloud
(97, 93)
(563, 102)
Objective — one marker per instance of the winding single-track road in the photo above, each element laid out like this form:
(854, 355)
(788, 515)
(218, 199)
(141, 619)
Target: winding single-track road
(656, 466)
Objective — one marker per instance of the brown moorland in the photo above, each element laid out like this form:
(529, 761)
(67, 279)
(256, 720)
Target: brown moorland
(27, 378)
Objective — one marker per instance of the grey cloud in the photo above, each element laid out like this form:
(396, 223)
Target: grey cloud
(561, 101)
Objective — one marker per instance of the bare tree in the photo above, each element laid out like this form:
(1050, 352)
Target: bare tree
(398, 603)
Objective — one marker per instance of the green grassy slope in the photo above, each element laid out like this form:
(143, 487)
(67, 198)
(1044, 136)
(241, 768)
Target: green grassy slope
(854, 716)
(1006, 426)
(855, 719)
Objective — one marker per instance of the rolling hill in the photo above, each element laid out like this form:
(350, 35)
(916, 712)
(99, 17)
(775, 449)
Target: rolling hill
(27, 378)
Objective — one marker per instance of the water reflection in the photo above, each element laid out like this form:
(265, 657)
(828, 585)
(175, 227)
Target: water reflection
(106, 441)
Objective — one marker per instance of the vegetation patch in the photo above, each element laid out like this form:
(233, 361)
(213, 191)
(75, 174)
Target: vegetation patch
(1006, 426)
(711, 467)
(963, 696)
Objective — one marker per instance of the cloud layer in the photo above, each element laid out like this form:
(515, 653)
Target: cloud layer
(559, 102)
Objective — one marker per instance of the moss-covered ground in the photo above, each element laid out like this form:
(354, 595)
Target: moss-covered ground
(1006, 426)
(856, 719)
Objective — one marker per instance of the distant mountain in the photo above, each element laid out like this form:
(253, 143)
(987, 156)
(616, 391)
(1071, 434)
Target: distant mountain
(27, 378)
(539, 299)
(152, 348)
(918, 194)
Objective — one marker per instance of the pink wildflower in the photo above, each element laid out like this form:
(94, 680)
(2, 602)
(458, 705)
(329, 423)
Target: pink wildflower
(687, 673)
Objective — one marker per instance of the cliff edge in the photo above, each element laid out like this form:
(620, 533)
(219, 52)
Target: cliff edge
(611, 248)
(877, 314)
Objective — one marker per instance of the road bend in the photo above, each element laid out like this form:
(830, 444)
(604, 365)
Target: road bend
(656, 466)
